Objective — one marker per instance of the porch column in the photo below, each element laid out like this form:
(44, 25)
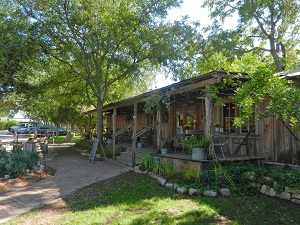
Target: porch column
(89, 127)
(114, 131)
(158, 128)
(134, 134)
(208, 117)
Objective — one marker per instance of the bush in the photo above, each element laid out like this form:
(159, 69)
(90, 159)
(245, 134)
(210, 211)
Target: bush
(18, 163)
(83, 144)
(5, 124)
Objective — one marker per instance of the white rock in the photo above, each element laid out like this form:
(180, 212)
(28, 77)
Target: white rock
(292, 190)
(169, 185)
(162, 181)
(154, 176)
(284, 195)
(296, 200)
(175, 186)
(296, 196)
(225, 192)
(193, 191)
(181, 190)
(210, 193)
(137, 168)
(267, 190)
(11, 181)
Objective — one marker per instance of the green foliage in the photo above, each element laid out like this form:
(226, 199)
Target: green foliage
(281, 97)
(191, 173)
(83, 144)
(147, 162)
(5, 124)
(276, 23)
(18, 163)
(193, 142)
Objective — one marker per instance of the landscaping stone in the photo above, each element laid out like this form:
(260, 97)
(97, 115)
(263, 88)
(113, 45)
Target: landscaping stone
(11, 181)
(249, 175)
(295, 200)
(284, 195)
(292, 190)
(225, 192)
(210, 193)
(193, 191)
(137, 168)
(296, 196)
(162, 181)
(175, 186)
(169, 186)
(181, 190)
(268, 190)
(154, 176)
(268, 181)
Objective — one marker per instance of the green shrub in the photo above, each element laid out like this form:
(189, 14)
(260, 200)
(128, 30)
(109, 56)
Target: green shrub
(5, 124)
(18, 163)
(83, 144)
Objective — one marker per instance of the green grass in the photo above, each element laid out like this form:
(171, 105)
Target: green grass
(138, 199)
(62, 139)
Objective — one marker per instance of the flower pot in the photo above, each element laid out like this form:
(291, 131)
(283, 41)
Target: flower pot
(164, 151)
(109, 141)
(139, 145)
(217, 129)
(198, 154)
(187, 132)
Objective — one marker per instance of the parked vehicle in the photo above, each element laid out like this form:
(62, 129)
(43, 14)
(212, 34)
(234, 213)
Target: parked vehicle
(61, 131)
(41, 129)
(23, 130)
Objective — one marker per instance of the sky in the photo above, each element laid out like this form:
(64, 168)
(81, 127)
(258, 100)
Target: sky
(193, 9)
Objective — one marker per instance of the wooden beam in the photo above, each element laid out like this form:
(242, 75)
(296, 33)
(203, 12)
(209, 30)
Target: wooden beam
(114, 131)
(208, 117)
(134, 134)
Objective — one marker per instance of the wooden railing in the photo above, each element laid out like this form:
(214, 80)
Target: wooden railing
(141, 132)
(119, 132)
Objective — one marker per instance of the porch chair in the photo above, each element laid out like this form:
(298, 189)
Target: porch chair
(177, 142)
(220, 140)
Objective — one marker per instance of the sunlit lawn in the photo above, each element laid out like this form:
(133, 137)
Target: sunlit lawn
(138, 199)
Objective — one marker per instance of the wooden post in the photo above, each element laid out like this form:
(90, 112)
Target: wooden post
(114, 131)
(134, 133)
(208, 117)
(158, 128)
(89, 127)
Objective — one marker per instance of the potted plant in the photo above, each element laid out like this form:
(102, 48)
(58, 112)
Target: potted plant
(139, 142)
(164, 147)
(108, 138)
(186, 127)
(217, 127)
(196, 146)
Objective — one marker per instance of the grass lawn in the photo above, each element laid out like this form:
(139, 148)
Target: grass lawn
(137, 199)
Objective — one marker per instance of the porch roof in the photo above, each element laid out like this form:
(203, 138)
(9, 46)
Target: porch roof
(188, 85)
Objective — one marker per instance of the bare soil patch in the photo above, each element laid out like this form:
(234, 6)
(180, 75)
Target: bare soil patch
(35, 176)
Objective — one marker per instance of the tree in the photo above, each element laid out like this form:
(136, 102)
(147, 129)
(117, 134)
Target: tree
(104, 42)
(269, 26)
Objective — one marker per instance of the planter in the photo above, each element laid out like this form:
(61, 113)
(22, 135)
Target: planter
(198, 154)
(164, 151)
(187, 131)
(217, 129)
(139, 145)
(109, 141)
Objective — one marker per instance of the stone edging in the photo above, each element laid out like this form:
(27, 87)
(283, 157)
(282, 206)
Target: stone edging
(289, 194)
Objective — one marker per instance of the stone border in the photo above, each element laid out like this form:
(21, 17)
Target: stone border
(289, 194)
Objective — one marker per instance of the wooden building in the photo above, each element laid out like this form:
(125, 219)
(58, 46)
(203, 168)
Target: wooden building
(189, 103)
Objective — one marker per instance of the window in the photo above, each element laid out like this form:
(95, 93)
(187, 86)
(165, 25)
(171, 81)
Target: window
(229, 113)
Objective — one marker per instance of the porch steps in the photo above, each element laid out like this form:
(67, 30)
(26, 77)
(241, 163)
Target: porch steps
(126, 157)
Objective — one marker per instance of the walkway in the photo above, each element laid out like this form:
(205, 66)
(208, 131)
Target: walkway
(72, 173)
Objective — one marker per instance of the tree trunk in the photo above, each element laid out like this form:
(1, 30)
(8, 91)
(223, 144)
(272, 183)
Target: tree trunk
(100, 127)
